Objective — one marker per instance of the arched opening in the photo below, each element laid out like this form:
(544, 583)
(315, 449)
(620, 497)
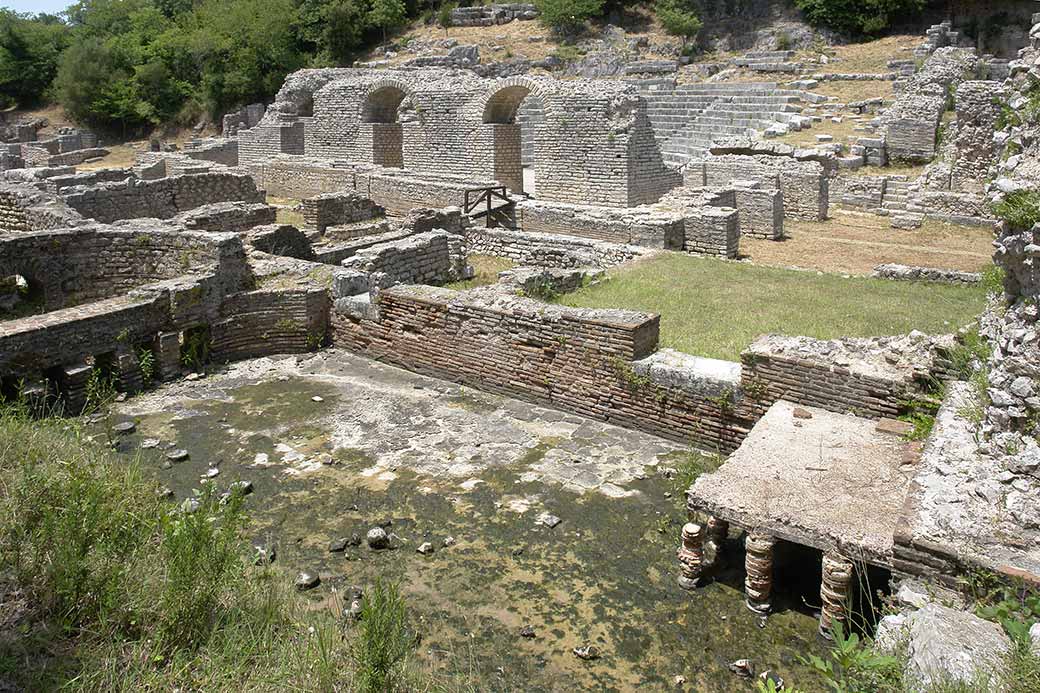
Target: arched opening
(20, 297)
(380, 113)
(514, 115)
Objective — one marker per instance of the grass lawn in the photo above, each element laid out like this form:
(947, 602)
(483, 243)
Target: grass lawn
(715, 308)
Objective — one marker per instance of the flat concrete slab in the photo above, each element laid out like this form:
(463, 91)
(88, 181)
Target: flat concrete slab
(813, 477)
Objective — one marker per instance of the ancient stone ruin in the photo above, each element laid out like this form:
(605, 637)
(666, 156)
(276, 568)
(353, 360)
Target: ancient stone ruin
(397, 176)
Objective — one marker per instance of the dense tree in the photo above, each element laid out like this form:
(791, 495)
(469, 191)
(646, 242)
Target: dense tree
(30, 50)
(856, 17)
(568, 16)
(387, 15)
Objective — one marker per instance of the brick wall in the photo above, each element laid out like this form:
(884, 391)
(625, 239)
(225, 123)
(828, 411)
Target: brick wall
(266, 322)
(578, 360)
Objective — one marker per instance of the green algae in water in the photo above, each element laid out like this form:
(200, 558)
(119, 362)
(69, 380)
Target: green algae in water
(605, 576)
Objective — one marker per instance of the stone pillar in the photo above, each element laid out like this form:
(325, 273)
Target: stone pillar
(168, 355)
(74, 383)
(128, 366)
(717, 532)
(691, 556)
(758, 584)
(834, 592)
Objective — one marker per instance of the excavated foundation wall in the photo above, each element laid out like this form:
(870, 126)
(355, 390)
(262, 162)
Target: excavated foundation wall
(163, 198)
(266, 322)
(77, 266)
(573, 359)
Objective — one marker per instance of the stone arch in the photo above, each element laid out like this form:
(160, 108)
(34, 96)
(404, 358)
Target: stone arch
(510, 135)
(44, 286)
(383, 100)
(381, 121)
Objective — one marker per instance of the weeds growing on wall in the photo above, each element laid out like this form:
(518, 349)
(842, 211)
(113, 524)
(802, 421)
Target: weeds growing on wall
(195, 348)
(1020, 209)
(146, 361)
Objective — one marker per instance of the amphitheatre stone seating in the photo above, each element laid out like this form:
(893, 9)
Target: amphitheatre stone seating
(768, 61)
(689, 117)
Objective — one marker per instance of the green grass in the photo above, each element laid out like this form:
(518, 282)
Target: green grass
(716, 309)
(125, 592)
(485, 271)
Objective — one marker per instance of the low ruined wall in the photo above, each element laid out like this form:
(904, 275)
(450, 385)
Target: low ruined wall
(298, 178)
(77, 266)
(163, 198)
(859, 192)
(579, 360)
(640, 226)
(24, 208)
(804, 184)
(330, 209)
(266, 322)
(869, 378)
(228, 217)
(547, 250)
(435, 257)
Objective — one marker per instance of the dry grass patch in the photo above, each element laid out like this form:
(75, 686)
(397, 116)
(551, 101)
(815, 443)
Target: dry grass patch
(851, 243)
(716, 308)
(871, 56)
(843, 132)
(485, 271)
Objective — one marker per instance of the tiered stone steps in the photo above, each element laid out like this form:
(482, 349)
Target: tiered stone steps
(768, 61)
(896, 205)
(688, 118)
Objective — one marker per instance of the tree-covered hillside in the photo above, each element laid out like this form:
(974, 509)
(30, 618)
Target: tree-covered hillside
(127, 65)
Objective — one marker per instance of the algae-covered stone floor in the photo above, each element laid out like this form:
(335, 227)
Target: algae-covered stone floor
(335, 445)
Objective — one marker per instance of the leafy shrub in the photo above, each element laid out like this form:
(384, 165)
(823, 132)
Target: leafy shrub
(856, 17)
(1020, 209)
(383, 640)
(444, 15)
(678, 17)
(568, 16)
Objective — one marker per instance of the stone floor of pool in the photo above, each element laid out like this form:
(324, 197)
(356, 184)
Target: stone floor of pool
(335, 445)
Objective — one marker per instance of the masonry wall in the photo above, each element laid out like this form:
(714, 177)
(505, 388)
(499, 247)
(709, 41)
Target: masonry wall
(641, 227)
(265, 322)
(804, 184)
(434, 257)
(24, 208)
(548, 250)
(572, 359)
(162, 198)
(79, 266)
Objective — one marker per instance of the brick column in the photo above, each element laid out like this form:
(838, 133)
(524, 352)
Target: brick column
(691, 556)
(758, 561)
(168, 355)
(834, 592)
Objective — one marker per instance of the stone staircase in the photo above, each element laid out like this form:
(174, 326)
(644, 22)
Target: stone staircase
(768, 61)
(688, 118)
(897, 205)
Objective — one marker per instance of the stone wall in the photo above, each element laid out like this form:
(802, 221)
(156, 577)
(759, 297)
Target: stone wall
(266, 322)
(871, 378)
(641, 226)
(594, 145)
(549, 250)
(574, 359)
(92, 263)
(25, 208)
(161, 199)
(228, 217)
(978, 105)
(434, 257)
(331, 209)
(804, 184)
(490, 15)
(911, 123)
